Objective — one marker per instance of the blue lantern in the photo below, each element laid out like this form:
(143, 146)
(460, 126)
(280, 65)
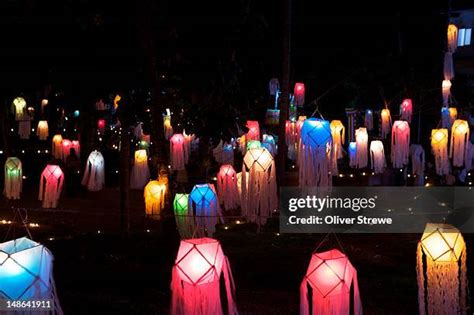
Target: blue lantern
(204, 206)
(316, 132)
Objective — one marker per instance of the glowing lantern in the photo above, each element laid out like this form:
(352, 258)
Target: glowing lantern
(76, 145)
(242, 141)
(66, 145)
(254, 131)
(195, 283)
(299, 124)
(204, 205)
(273, 86)
(270, 144)
(369, 119)
(444, 286)
(446, 90)
(51, 185)
(26, 270)
(227, 187)
(154, 194)
(258, 185)
(330, 275)
(117, 99)
(353, 154)
(94, 178)
(291, 139)
(459, 140)
(140, 171)
(439, 147)
(168, 128)
(177, 152)
(57, 148)
(13, 178)
(386, 122)
(272, 117)
(101, 125)
(400, 143)
(19, 108)
(377, 157)
(448, 56)
(44, 103)
(223, 153)
(362, 146)
(253, 144)
(406, 110)
(298, 93)
(337, 132)
(452, 37)
(448, 116)
(180, 208)
(42, 130)
(418, 163)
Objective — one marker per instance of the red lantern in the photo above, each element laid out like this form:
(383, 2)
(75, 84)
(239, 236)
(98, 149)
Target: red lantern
(66, 146)
(101, 125)
(406, 110)
(299, 92)
(254, 130)
(51, 185)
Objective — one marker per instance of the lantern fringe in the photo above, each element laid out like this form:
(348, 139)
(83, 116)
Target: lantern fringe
(459, 143)
(400, 144)
(139, 175)
(227, 191)
(178, 149)
(314, 166)
(13, 178)
(204, 214)
(448, 66)
(50, 187)
(377, 157)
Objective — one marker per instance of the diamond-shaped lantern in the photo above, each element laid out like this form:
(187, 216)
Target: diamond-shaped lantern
(316, 132)
(260, 158)
(442, 242)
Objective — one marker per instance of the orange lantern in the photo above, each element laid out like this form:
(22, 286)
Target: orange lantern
(57, 148)
(154, 194)
(386, 122)
(459, 142)
(446, 90)
(42, 131)
(439, 147)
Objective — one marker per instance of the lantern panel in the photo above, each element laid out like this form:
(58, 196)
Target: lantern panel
(260, 158)
(316, 132)
(180, 204)
(442, 242)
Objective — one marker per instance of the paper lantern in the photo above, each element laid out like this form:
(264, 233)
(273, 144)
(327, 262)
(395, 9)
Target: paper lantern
(448, 116)
(258, 185)
(191, 145)
(154, 194)
(253, 144)
(196, 275)
(223, 153)
(439, 148)
(168, 128)
(76, 145)
(377, 157)
(242, 141)
(400, 143)
(386, 121)
(26, 270)
(338, 138)
(180, 208)
(362, 147)
(101, 125)
(446, 90)
(44, 103)
(140, 171)
(51, 185)
(452, 38)
(330, 275)
(406, 110)
(353, 154)
(273, 86)
(291, 139)
(94, 177)
(227, 187)
(42, 130)
(204, 206)
(459, 140)
(272, 117)
(270, 144)
(443, 289)
(57, 149)
(298, 93)
(19, 108)
(418, 163)
(13, 178)
(66, 146)
(178, 147)
(254, 131)
(369, 119)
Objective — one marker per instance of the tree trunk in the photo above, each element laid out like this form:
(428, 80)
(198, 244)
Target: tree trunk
(124, 114)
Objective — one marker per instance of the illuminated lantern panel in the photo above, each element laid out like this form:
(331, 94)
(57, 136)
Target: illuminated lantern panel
(270, 144)
(442, 284)
(51, 185)
(400, 143)
(338, 137)
(66, 147)
(227, 187)
(406, 110)
(154, 194)
(253, 144)
(330, 276)
(19, 108)
(13, 178)
(94, 175)
(180, 208)
(203, 203)
(254, 130)
(57, 148)
(369, 119)
(140, 171)
(362, 147)
(439, 148)
(386, 121)
(196, 275)
(177, 152)
(448, 116)
(101, 125)
(377, 157)
(459, 142)
(452, 38)
(299, 94)
(42, 131)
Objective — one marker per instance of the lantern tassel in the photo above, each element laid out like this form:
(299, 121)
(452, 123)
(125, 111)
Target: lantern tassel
(420, 276)
(230, 287)
(304, 305)
(357, 301)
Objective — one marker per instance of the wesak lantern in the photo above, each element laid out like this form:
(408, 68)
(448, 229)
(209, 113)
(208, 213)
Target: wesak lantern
(362, 144)
(369, 119)
(13, 178)
(94, 175)
(42, 130)
(377, 157)
(227, 187)
(178, 147)
(439, 148)
(57, 148)
(406, 110)
(168, 128)
(196, 279)
(253, 144)
(448, 116)
(19, 108)
(204, 206)
(418, 163)
(26, 270)
(254, 130)
(270, 144)
(140, 171)
(154, 194)
(291, 139)
(353, 154)
(51, 185)
(223, 153)
(386, 121)
(258, 185)
(400, 143)
(330, 275)
(443, 289)
(101, 125)
(180, 208)
(448, 57)
(338, 137)
(66, 145)
(298, 93)
(446, 90)
(459, 140)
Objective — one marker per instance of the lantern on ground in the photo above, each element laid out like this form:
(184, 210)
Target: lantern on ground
(19, 108)
(258, 185)
(337, 132)
(101, 125)
(154, 194)
(51, 185)
(353, 154)
(362, 146)
(330, 276)
(443, 288)
(439, 148)
(94, 178)
(459, 140)
(227, 187)
(406, 110)
(446, 91)
(369, 119)
(418, 163)
(180, 208)
(42, 130)
(168, 128)
(270, 144)
(314, 153)
(254, 130)
(177, 152)
(140, 171)
(298, 93)
(26, 270)
(195, 282)
(400, 143)
(13, 178)
(57, 148)
(386, 121)
(204, 205)
(377, 157)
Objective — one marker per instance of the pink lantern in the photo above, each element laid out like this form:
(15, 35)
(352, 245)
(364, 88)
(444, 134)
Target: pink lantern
(195, 283)
(178, 147)
(406, 110)
(227, 187)
(400, 143)
(76, 145)
(66, 145)
(299, 92)
(101, 125)
(51, 185)
(254, 130)
(330, 275)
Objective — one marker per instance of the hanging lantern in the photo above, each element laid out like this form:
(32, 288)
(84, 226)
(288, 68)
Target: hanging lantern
(168, 128)
(338, 138)
(66, 145)
(254, 131)
(353, 154)
(330, 275)
(19, 108)
(26, 270)
(42, 130)
(448, 116)
(258, 185)
(76, 145)
(362, 146)
(242, 141)
(94, 178)
(253, 144)
(227, 187)
(13, 178)
(446, 89)
(400, 143)
(386, 122)
(101, 125)
(291, 139)
(443, 289)
(299, 124)
(270, 144)
(298, 93)
(44, 103)
(140, 171)
(448, 56)
(369, 120)
(377, 157)
(314, 153)
(223, 153)
(452, 38)
(459, 140)
(272, 117)
(177, 152)
(204, 206)
(51, 185)
(154, 194)
(57, 148)
(196, 275)
(24, 129)
(191, 145)
(418, 163)
(273, 86)
(439, 147)
(406, 110)
(180, 207)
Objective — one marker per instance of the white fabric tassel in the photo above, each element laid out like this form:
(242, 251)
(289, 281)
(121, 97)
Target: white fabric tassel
(400, 143)
(377, 157)
(94, 177)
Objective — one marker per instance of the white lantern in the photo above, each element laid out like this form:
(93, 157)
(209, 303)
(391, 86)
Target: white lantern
(362, 139)
(400, 143)
(439, 147)
(418, 163)
(377, 157)
(94, 177)
(459, 141)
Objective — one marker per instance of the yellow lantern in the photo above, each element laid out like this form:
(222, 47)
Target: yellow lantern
(154, 195)
(140, 171)
(452, 38)
(446, 90)
(57, 148)
(439, 147)
(116, 101)
(42, 130)
(459, 142)
(168, 129)
(337, 132)
(386, 122)
(19, 108)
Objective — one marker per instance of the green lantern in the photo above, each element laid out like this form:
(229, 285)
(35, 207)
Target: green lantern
(253, 144)
(180, 204)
